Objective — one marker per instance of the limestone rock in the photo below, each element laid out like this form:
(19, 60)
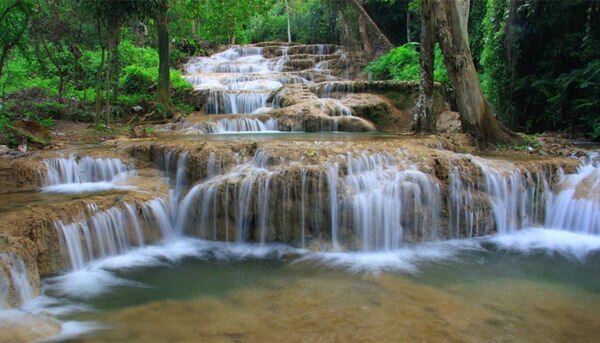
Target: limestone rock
(449, 122)
(31, 130)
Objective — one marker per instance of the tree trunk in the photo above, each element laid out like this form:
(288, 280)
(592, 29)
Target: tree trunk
(61, 85)
(107, 87)
(385, 42)
(408, 30)
(3, 58)
(289, 26)
(364, 35)
(424, 119)
(475, 112)
(345, 34)
(163, 96)
(115, 37)
(98, 106)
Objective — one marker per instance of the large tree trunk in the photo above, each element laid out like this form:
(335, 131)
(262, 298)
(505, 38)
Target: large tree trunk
(163, 95)
(424, 119)
(475, 112)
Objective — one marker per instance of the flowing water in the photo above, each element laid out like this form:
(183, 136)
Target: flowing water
(271, 236)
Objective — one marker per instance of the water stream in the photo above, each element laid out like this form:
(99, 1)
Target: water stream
(326, 237)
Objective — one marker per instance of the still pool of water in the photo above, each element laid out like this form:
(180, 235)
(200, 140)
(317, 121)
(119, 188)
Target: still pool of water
(470, 290)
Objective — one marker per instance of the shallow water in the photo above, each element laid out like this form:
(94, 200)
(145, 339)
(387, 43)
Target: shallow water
(468, 290)
(286, 136)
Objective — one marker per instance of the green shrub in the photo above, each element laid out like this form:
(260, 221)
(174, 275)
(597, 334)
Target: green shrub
(5, 121)
(402, 63)
(136, 79)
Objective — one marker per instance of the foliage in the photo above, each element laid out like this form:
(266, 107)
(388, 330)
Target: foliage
(226, 21)
(497, 76)
(541, 64)
(402, 63)
(137, 79)
(14, 20)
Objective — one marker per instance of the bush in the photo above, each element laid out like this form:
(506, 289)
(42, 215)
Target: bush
(402, 63)
(136, 79)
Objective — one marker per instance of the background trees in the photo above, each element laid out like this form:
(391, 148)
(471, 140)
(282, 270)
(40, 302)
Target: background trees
(538, 61)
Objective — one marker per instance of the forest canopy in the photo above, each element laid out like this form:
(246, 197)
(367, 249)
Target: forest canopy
(93, 60)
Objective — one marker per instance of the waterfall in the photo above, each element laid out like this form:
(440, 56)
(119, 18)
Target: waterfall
(87, 169)
(247, 181)
(576, 207)
(88, 174)
(464, 213)
(376, 198)
(389, 199)
(234, 125)
(239, 82)
(114, 231)
(280, 64)
(335, 90)
(14, 281)
(332, 184)
(516, 196)
(238, 102)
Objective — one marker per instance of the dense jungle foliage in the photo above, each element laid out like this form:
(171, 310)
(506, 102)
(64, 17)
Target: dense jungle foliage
(94, 60)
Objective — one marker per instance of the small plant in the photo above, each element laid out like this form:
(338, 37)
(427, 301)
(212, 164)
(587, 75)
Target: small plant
(47, 122)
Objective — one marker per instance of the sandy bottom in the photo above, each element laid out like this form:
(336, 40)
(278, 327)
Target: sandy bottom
(17, 326)
(350, 308)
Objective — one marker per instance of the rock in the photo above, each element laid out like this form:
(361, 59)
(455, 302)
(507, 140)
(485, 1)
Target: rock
(13, 154)
(293, 94)
(4, 149)
(18, 326)
(23, 146)
(319, 115)
(448, 122)
(379, 110)
(137, 108)
(34, 132)
(138, 132)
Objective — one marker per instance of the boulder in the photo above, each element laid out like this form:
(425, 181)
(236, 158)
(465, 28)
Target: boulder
(33, 131)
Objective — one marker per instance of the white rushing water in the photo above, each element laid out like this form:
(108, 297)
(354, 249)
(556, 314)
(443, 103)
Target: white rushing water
(86, 174)
(517, 197)
(240, 79)
(114, 231)
(14, 281)
(233, 125)
(576, 207)
(373, 203)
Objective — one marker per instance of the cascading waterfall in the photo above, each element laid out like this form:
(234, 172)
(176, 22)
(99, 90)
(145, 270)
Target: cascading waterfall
(464, 213)
(233, 125)
(576, 207)
(331, 175)
(240, 81)
(335, 90)
(87, 169)
(114, 231)
(516, 197)
(241, 180)
(14, 281)
(389, 199)
(379, 200)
